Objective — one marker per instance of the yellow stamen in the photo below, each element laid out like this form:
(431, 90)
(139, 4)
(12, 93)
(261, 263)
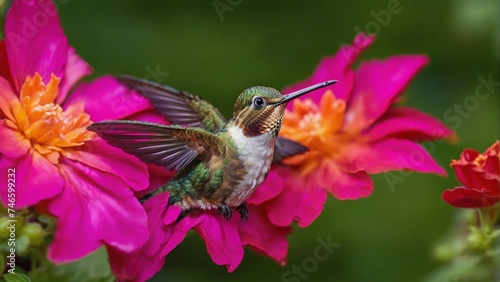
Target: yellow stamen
(319, 128)
(48, 127)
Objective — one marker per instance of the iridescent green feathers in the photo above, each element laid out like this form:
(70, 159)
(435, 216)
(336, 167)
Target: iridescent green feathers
(245, 99)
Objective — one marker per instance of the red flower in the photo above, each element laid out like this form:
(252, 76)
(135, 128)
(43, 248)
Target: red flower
(480, 174)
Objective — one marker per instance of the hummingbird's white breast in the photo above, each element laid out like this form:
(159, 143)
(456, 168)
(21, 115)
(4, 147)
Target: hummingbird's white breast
(256, 153)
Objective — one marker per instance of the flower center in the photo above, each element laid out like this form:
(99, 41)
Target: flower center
(480, 160)
(45, 124)
(318, 128)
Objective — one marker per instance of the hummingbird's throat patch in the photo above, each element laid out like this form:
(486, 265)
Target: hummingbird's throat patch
(268, 120)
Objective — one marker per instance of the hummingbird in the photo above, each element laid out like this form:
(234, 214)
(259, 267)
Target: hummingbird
(218, 163)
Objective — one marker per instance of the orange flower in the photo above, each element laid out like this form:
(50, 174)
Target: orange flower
(317, 127)
(45, 125)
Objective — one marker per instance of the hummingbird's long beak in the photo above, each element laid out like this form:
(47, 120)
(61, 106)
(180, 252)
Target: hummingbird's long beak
(288, 97)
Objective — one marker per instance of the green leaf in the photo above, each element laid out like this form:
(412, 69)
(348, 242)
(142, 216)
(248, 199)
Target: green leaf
(92, 268)
(18, 277)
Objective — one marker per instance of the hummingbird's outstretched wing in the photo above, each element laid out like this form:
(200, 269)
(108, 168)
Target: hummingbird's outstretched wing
(172, 147)
(286, 148)
(179, 107)
(183, 108)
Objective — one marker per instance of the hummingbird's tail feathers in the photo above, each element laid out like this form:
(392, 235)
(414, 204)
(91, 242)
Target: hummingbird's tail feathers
(171, 200)
(179, 107)
(149, 195)
(183, 214)
(286, 148)
(172, 147)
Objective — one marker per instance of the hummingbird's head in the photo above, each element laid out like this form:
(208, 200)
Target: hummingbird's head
(260, 109)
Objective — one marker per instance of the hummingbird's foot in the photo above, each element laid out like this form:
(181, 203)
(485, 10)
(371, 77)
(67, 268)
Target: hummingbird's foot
(227, 211)
(243, 212)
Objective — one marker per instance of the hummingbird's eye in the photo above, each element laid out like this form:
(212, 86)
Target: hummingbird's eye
(258, 102)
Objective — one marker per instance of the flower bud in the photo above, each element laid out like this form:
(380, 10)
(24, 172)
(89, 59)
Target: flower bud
(22, 245)
(34, 232)
(480, 239)
(444, 252)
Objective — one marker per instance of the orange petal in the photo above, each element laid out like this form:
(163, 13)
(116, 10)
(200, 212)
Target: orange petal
(51, 90)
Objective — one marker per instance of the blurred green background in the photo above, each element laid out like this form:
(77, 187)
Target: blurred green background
(386, 237)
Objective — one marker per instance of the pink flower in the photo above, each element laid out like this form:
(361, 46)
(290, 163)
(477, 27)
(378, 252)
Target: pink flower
(353, 129)
(480, 174)
(60, 166)
(224, 239)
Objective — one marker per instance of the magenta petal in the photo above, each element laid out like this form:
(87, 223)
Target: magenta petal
(336, 67)
(178, 231)
(133, 267)
(157, 177)
(146, 262)
(105, 98)
(35, 41)
(408, 123)
(149, 115)
(95, 207)
(222, 240)
(390, 154)
(351, 186)
(270, 188)
(142, 264)
(6, 91)
(300, 201)
(462, 197)
(98, 154)
(378, 84)
(76, 68)
(174, 234)
(170, 215)
(264, 236)
(12, 143)
(159, 216)
(30, 190)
